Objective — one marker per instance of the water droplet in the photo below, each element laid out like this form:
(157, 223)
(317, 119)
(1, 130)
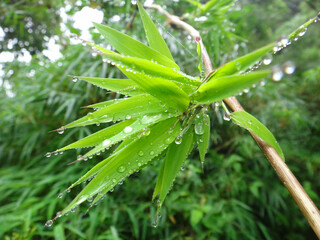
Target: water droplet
(73, 210)
(246, 90)
(114, 181)
(199, 128)
(69, 190)
(285, 183)
(155, 224)
(61, 130)
(284, 41)
(178, 140)
(84, 43)
(267, 60)
(48, 155)
(58, 215)
(182, 168)
(276, 49)
(49, 223)
(262, 83)
(60, 195)
(104, 60)
(111, 190)
(303, 31)
(98, 124)
(139, 164)
(74, 79)
(90, 199)
(106, 142)
(289, 67)
(121, 169)
(226, 117)
(146, 131)
(151, 153)
(128, 117)
(168, 140)
(277, 74)
(140, 153)
(94, 54)
(127, 129)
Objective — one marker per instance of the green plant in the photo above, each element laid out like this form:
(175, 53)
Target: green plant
(167, 112)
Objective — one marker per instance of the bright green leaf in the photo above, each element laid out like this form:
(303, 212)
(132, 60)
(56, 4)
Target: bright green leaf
(155, 39)
(224, 87)
(172, 163)
(249, 122)
(131, 47)
(202, 133)
(129, 160)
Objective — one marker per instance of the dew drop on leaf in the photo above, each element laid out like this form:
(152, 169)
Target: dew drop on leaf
(199, 128)
(74, 79)
(151, 153)
(49, 223)
(48, 155)
(140, 153)
(267, 60)
(178, 140)
(106, 142)
(303, 31)
(121, 169)
(127, 129)
(60, 195)
(61, 130)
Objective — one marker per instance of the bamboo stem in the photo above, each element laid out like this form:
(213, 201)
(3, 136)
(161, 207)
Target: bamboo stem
(301, 198)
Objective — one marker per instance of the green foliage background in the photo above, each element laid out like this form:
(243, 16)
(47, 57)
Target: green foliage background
(238, 196)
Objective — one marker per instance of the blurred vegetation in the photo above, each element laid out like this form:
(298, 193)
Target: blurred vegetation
(238, 196)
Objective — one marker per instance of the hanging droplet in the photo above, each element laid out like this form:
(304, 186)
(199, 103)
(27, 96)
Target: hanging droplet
(303, 31)
(106, 142)
(61, 130)
(74, 79)
(60, 195)
(246, 90)
(226, 117)
(90, 199)
(58, 215)
(284, 41)
(277, 74)
(49, 223)
(289, 67)
(104, 60)
(178, 140)
(128, 117)
(275, 49)
(127, 129)
(84, 43)
(73, 210)
(267, 60)
(155, 224)
(48, 155)
(140, 153)
(121, 169)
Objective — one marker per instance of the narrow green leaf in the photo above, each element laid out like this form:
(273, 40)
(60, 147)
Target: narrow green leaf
(106, 103)
(98, 137)
(129, 160)
(249, 122)
(131, 47)
(173, 161)
(140, 125)
(202, 133)
(155, 39)
(133, 107)
(242, 63)
(123, 86)
(135, 65)
(224, 87)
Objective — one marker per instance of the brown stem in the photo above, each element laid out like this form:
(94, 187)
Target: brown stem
(305, 204)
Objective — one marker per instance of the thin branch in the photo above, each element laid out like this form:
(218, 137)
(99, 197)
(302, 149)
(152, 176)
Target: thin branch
(305, 204)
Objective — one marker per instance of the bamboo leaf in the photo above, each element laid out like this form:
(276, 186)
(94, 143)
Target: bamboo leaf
(242, 63)
(123, 86)
(98, 137)
(224, 87)
(249, 122)
(106, 103)
(133, 107)
(202, 133)
(140, 125)
(129, 160)
(155, 39)
(131, 47)
(172, 163)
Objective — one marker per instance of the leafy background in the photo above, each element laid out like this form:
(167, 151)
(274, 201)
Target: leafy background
(238, 196)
